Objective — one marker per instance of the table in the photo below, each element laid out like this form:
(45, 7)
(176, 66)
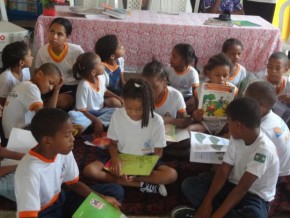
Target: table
(146, 34)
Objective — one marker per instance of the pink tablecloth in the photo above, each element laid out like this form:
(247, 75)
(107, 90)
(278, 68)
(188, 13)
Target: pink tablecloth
(145, 34)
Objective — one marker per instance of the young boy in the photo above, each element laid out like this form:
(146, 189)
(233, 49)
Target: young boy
(25, 99)
(245, 182)
(271, 124)
(47, 166)
(7, 173)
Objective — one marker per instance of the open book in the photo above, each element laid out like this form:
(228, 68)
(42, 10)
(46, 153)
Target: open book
(96, 207)
(101, 142)
(175, 135)
(214, 99)
(136, 165)
(207, 148)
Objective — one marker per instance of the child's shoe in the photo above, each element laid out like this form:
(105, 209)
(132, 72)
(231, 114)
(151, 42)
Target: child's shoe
(153, 188)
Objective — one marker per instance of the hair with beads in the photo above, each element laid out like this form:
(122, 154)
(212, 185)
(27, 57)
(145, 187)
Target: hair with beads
(138, 88)
(187, 52)
(153, 69)
(84, 65)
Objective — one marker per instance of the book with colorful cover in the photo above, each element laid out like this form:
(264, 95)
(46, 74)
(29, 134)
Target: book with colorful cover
(136, 165)
(96, 207)
(207, 148)
(214, 99)
(175, 135)
(101, 142)
(245, 23)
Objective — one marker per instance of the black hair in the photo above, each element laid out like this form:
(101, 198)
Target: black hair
(187, 53)
(155, 68)
(245, 110)
(47, 122)
(138, 88)
(280, 56)
(106, 46)
(230, 42)
(263, 92)
(49, 69)
(64, 22)
(12, 54)
(218, 60)
(84, 65)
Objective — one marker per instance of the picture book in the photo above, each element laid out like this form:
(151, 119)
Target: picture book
(101, 142)
(245, 23)
(117, 13)
(175, 135)
(207, 148)
(96, 207)
(136, 165)
(214, 99)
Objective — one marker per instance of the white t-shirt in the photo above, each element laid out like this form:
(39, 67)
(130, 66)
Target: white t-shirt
(238, 76)
(277, 130)
(19, 106)
(38, 181)
(183, 81)
(8, 81)
(65, 64)
(90, 98)
(171, 104)
(284, 87)
(259, 159)
(132, 139)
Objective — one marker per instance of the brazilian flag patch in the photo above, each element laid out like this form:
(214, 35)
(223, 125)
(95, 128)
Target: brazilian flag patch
(260, 157)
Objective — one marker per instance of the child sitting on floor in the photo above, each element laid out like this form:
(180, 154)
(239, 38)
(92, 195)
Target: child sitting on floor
(245, 182)
(135, 129)
(42, 171)
(111, 52)
(182, 75)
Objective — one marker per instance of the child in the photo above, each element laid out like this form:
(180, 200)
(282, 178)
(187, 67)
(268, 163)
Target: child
(217, 70)
(41, 172)
(25, 99)
(16, 60)
(272, 125)
(90, 93)
(135, 129)
(7, 173)
(276, 68)
(169, 102)
(182, 76)
(233, 48)
(63, 55)
(219, 6)
(246, 180)
(111, 52)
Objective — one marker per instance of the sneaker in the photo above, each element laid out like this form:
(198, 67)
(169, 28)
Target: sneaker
(183, 212)
(153, 188)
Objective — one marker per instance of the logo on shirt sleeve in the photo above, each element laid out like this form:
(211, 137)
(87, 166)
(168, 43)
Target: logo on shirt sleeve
(260, 157)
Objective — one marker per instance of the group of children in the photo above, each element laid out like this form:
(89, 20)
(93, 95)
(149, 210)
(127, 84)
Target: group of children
(94, 97)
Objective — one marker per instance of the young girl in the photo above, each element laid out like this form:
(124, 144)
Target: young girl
(111, 52)
(233, 48)
(218, 70)
(63, 55)
(169, 102)
(135, 129)
(182, 76)
(16, 60)
(90, 93)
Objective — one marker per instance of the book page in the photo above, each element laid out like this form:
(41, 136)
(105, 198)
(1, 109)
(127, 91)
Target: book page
(206, 157)
(173, 134)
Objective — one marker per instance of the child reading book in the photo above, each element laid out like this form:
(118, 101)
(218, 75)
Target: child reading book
(135, 129)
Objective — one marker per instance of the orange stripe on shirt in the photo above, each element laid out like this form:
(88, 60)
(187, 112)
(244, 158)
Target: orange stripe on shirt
(40, 157)
(183, 110)
(58, 58)
(159, 104)
(112, 68)
(72, 181)
(232, 77)
(33, 213)
(35, 104)
(51, 202)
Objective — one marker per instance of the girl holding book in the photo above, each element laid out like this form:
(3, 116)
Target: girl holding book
(144, 134)
(217, 70)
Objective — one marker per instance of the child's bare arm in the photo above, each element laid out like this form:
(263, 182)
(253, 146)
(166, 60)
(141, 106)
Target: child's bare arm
(52, 102)
(98, 125)
(7, 169)
(5, 153)
(116, 166)
(158, 151)
(109, 94)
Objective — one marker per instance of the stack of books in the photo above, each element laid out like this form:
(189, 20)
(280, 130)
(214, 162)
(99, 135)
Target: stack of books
(117, 13)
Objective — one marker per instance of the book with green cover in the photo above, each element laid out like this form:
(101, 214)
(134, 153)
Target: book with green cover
(136, 165)
(244, 23)
(96, 207)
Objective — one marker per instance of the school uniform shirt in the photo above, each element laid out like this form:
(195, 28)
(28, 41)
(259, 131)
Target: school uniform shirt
(183, 81)
(230, 5)
(38, 181)
(277, 130)
(132, 139)
(88, 97)
(8, 81)
(260, 159)
(19, 106)
(284, 87)
(238, 76)
(171, 103)
(63, 61)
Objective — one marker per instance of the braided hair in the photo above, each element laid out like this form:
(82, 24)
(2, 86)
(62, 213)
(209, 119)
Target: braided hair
(187, 52)
(155, 68)
(84, 65)
(138, 88)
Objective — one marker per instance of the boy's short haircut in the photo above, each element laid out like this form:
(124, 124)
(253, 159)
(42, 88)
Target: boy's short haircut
(47, 122)
(245, 110)
(263, 92)
(280, 56)
(49, 69)
(106, 46)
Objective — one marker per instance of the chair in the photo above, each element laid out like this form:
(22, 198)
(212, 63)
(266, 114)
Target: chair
(96, 3)
(134, 4)
(286, 44)
(170, 6)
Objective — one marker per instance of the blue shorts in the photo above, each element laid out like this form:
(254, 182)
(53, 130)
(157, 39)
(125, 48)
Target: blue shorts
(7, 186)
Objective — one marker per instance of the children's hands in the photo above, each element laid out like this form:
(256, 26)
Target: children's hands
(116, 167)
(112, 201)
(198, 115)
(204, 211)
(285, 99)
(167, 119)
(58, 86)
(98, 127)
